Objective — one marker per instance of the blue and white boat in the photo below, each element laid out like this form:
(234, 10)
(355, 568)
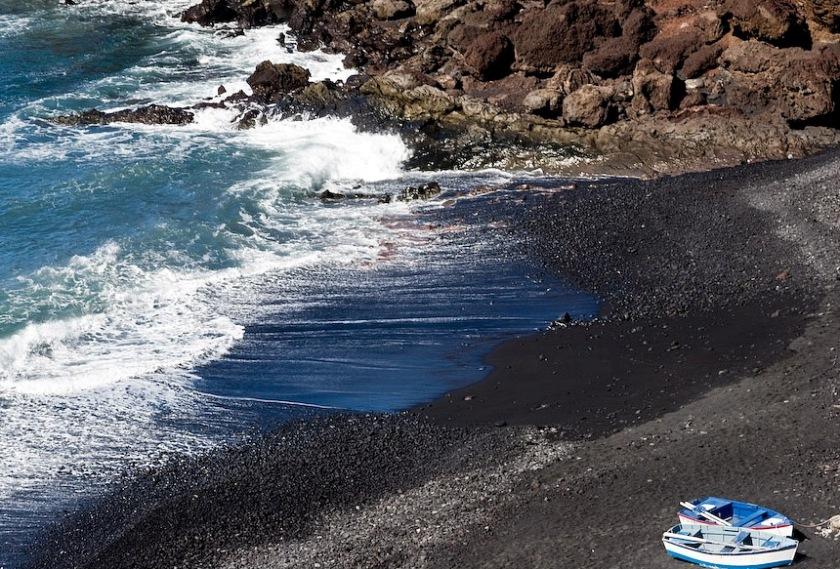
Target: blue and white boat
(712, 511)
(722, 547)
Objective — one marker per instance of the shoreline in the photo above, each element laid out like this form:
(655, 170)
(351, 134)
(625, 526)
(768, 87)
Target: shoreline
(444, 486)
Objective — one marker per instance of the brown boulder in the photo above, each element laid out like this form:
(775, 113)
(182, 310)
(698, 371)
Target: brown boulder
(652, 90)
(826, 13)
(702, 60)
(774, 21)
(247, 14)
(562, 33)
(490, 55)
(639, 27)
(756, 78)
(590, 106)
(569, 79)
(392, 9)
(615, 57)
(432, 11)
(269, 81)
(668, 52)
(209, 12)
(546, 103)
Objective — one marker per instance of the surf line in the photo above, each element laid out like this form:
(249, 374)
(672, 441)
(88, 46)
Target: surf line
(275, 402)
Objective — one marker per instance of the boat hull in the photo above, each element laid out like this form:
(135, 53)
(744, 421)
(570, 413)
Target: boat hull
(761, 560)
(739, 514)
(785, 530)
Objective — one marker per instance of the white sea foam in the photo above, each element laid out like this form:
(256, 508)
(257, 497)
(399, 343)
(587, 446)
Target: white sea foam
(110, 380)
(11, 25)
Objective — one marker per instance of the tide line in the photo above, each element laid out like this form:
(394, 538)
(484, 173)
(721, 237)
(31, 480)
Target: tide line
(274, 401)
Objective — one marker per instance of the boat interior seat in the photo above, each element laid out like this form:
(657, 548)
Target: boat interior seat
(755, 517)
(771, 543)
(742, 536)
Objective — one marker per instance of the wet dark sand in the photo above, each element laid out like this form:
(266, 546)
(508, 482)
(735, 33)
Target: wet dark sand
(712, 370)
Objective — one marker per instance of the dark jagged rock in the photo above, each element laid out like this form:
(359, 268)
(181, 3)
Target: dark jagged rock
(423, 192)
(796, 84)
(247, 13)
(328, 196)
(392, 9)
(210, 12)
(703, 60)
(778, 22)
(826, 13)
(271, 80)
(562, 33)
(491, 55)
(152, 114)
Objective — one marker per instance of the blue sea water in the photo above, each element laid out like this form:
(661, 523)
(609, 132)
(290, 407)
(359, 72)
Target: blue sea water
(163, 289)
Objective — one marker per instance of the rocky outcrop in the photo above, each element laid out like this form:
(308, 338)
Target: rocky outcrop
(794, 84)
(461, 74)
(778, 22)
(270, 81)
(490, 55)
(152, 114)
(825, 13)
(246, 13)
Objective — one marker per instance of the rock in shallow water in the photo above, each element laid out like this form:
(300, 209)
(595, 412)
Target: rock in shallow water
(271, 80)
(152, 114)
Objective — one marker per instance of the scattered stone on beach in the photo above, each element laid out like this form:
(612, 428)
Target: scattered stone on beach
(422, 192)
(151, 114)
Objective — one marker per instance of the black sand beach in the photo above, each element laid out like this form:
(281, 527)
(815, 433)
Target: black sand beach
(712, 370)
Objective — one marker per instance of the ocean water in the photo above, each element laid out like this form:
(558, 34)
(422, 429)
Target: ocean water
(164, 289)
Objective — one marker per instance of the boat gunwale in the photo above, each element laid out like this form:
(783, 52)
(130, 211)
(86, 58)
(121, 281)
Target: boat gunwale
(699, 521)
(742, 552)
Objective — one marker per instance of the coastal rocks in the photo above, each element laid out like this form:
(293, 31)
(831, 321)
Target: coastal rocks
(247, 13)
(795, 84)
(561, 33)
(669, 52)
(653, 91)
(423, 192)
(271, 80)
(825, 13)
(617, 56)
(209, 12)
(392, 9)
(463, 74)
(778, 22)
(491, 56)
(152, 114)
(702, 60)
(590, 106)
(544, 102)
(432, 11)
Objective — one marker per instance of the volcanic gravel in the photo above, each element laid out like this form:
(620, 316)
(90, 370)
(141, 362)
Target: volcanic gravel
(713, 369)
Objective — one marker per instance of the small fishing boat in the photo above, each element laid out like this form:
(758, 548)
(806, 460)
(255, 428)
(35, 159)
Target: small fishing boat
(722, 547)
(723, 512)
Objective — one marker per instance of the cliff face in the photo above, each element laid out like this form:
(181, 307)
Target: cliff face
(657, 82)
